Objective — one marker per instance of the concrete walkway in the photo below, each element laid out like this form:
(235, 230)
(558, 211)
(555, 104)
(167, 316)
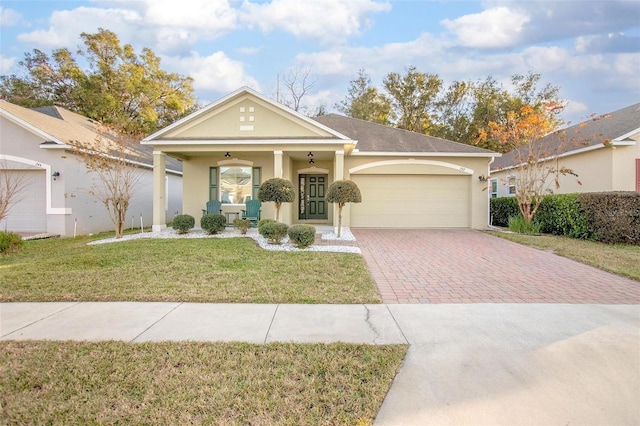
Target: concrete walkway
(466, 364)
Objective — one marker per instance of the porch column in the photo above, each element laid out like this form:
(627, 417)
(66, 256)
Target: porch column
(159, 189)
(277, 164)
(338, 165)
(338, 174)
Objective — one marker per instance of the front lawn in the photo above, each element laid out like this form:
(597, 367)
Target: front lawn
(619, 259)
(230, 270)
(194, 383)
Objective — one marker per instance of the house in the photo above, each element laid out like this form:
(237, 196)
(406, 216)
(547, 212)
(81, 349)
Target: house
(55, 199)
(604, 152)
(407, 179)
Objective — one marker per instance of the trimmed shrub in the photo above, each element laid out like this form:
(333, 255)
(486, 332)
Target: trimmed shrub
(10, 242)
(213, 223)
(302, 236)
(183, 223)
(277, 190)
(242, 225)
(561, 214)
(613, 217)
(261, 222)
(502, 209)
(274, 232)
(519, 224)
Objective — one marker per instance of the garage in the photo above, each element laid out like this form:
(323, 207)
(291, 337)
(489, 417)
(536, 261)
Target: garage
(28, 214)
(412, 201)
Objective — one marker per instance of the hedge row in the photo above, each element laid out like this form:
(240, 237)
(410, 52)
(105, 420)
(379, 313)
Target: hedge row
(611, 217)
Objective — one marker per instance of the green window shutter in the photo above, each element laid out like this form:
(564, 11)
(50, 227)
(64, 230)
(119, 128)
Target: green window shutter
(256, 180)
(213, 183)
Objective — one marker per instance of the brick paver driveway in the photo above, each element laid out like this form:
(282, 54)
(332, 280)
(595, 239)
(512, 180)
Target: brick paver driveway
(464, 266)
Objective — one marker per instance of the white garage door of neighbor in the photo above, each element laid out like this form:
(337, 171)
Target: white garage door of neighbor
(29, 214)
(411, 201)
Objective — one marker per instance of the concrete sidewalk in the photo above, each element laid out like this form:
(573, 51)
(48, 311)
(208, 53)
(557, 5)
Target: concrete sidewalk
(466, 364)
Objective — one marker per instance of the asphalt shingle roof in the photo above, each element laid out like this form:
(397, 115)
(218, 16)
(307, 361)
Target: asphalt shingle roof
(66, 127)
(373, 137)
(593, 132)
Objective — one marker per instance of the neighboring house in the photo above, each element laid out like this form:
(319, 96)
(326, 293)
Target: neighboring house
(34, 146)
(407, 180)
(604, 152)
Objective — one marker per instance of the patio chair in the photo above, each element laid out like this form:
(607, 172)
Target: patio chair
(251, 212)
(213, 206)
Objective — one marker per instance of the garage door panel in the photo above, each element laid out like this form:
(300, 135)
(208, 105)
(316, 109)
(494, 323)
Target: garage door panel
(28, 214)
(411, 201)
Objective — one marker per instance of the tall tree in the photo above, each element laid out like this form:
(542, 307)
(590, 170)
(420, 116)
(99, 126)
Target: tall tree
(121, 88)
(364, 101)
(413, 98)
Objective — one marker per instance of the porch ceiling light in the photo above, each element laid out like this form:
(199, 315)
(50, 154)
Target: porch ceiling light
(227, 155)
(310, 154)
(311, 161)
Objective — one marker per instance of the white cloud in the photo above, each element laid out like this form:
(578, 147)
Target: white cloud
(329, 21)
(65, 26)
(493, 28)
(210, 16)
(7, 65)
(9, 17)
(213, 73)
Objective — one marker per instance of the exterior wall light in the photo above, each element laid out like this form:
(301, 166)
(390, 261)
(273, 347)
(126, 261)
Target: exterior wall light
(55, 175)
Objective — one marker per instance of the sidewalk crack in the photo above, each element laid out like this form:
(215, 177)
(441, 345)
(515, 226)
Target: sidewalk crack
(371, 326)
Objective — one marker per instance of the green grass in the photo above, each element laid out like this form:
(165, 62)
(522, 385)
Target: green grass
(619, 259)
(230, 270)
(187, 382)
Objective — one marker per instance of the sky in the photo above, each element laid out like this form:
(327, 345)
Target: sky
(590, 49)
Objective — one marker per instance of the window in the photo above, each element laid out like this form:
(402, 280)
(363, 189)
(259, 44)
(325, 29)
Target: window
(493, 183)
(511, 186)
(234, 184)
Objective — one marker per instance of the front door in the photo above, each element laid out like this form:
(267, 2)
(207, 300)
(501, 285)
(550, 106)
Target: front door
(312, 192)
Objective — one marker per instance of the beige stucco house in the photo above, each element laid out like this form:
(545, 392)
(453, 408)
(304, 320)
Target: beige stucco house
(55, 198)
(604, 152)
(407, 179)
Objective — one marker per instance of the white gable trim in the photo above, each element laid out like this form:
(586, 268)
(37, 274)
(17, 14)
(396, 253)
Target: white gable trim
(30, 127)
(457, 167)
(626, 135)
(47, 169)
(149, 140)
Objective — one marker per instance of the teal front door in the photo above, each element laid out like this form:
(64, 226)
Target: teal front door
(312, 192)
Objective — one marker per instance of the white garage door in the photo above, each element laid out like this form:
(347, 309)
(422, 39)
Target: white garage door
(411, 201)
(29, 214)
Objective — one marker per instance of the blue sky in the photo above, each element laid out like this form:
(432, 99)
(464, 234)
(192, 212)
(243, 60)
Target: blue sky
(591, 49)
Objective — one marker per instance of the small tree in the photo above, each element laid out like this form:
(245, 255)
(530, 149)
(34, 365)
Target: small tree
(342, 192)
(277, 190)
(112, 159)
(533, 157)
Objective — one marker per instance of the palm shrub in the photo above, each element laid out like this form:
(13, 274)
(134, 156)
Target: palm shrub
(241, 225)
(302, 236)
(10, 242)
(342, 192)
(274, 232)
(521, 226)
(183, 223)
(277, 190)
(213, 223)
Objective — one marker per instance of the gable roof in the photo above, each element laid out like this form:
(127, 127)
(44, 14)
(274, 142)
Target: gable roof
(243, 91)
(377, 138)
(610, 129)
(59, 127)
